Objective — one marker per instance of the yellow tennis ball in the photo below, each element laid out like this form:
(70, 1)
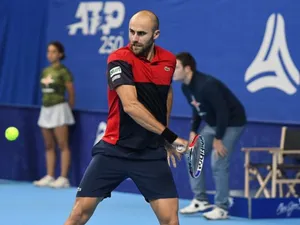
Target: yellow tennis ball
(11, 133)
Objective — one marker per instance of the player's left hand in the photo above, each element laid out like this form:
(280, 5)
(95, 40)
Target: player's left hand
(172, 155)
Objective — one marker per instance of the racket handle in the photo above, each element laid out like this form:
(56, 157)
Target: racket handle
(180, 148)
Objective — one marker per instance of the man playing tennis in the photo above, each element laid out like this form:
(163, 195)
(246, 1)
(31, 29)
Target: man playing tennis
(225, 117)
(140, 101)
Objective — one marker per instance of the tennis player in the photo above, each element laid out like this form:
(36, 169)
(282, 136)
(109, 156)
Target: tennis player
(225, 118)
(140, 100)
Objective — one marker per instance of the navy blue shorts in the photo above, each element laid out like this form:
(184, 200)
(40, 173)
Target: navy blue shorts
(153, 178)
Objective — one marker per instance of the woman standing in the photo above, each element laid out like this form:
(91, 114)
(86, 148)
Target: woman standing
(56, 115)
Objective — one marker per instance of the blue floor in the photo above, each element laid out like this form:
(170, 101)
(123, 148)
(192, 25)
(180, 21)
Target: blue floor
(24, 204)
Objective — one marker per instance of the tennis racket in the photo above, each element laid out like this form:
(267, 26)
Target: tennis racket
(195, 155)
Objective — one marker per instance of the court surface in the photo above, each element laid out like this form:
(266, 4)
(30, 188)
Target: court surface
(24, 204)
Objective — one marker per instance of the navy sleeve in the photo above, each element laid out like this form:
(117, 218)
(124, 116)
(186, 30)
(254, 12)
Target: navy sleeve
(215, 97)
(196, 119)
(119, 73)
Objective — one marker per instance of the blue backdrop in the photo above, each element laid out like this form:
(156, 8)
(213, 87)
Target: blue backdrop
(224, 36)
(251, 45)
(23, 27)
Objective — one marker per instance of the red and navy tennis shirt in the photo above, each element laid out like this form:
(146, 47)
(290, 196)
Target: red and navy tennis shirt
(152, 81)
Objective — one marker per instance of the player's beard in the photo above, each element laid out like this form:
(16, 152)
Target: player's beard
(142, 50)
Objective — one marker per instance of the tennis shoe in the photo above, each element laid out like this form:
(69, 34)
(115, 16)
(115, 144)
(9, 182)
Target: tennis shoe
(195, 206)
(216, 214)
(60, 182)
(46, 181)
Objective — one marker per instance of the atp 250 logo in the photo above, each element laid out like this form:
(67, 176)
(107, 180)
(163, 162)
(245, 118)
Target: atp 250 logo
(103, 17)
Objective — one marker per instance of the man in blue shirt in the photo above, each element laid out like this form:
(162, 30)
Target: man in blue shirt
(225, 117)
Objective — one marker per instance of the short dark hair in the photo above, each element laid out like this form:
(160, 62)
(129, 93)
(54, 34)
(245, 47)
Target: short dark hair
(187, 59)
(60, 48)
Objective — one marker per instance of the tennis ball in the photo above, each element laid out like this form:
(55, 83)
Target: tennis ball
(11, 133)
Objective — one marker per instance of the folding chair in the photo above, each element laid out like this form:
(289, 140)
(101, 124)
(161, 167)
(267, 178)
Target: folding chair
(290, 151)
(276, 171)
(255, 171)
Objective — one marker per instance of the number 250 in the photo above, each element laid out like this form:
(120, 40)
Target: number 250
(110, 44)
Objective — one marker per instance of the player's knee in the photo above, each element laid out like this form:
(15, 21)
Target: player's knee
(171, 219)
(75, 216)
(79, 214)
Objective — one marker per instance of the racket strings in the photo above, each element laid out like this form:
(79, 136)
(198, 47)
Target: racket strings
(197, 157)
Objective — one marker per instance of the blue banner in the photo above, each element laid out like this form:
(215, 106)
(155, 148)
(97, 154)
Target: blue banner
(22, 50)
(275, 208)
(253, 49)
(250, 45)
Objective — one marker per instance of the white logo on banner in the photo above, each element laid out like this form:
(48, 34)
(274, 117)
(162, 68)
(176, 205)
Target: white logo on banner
(273, 66)
(103, 17)
(100, 132)
(289, 208)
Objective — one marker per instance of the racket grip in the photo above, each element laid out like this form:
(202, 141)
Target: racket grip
(180, 148)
